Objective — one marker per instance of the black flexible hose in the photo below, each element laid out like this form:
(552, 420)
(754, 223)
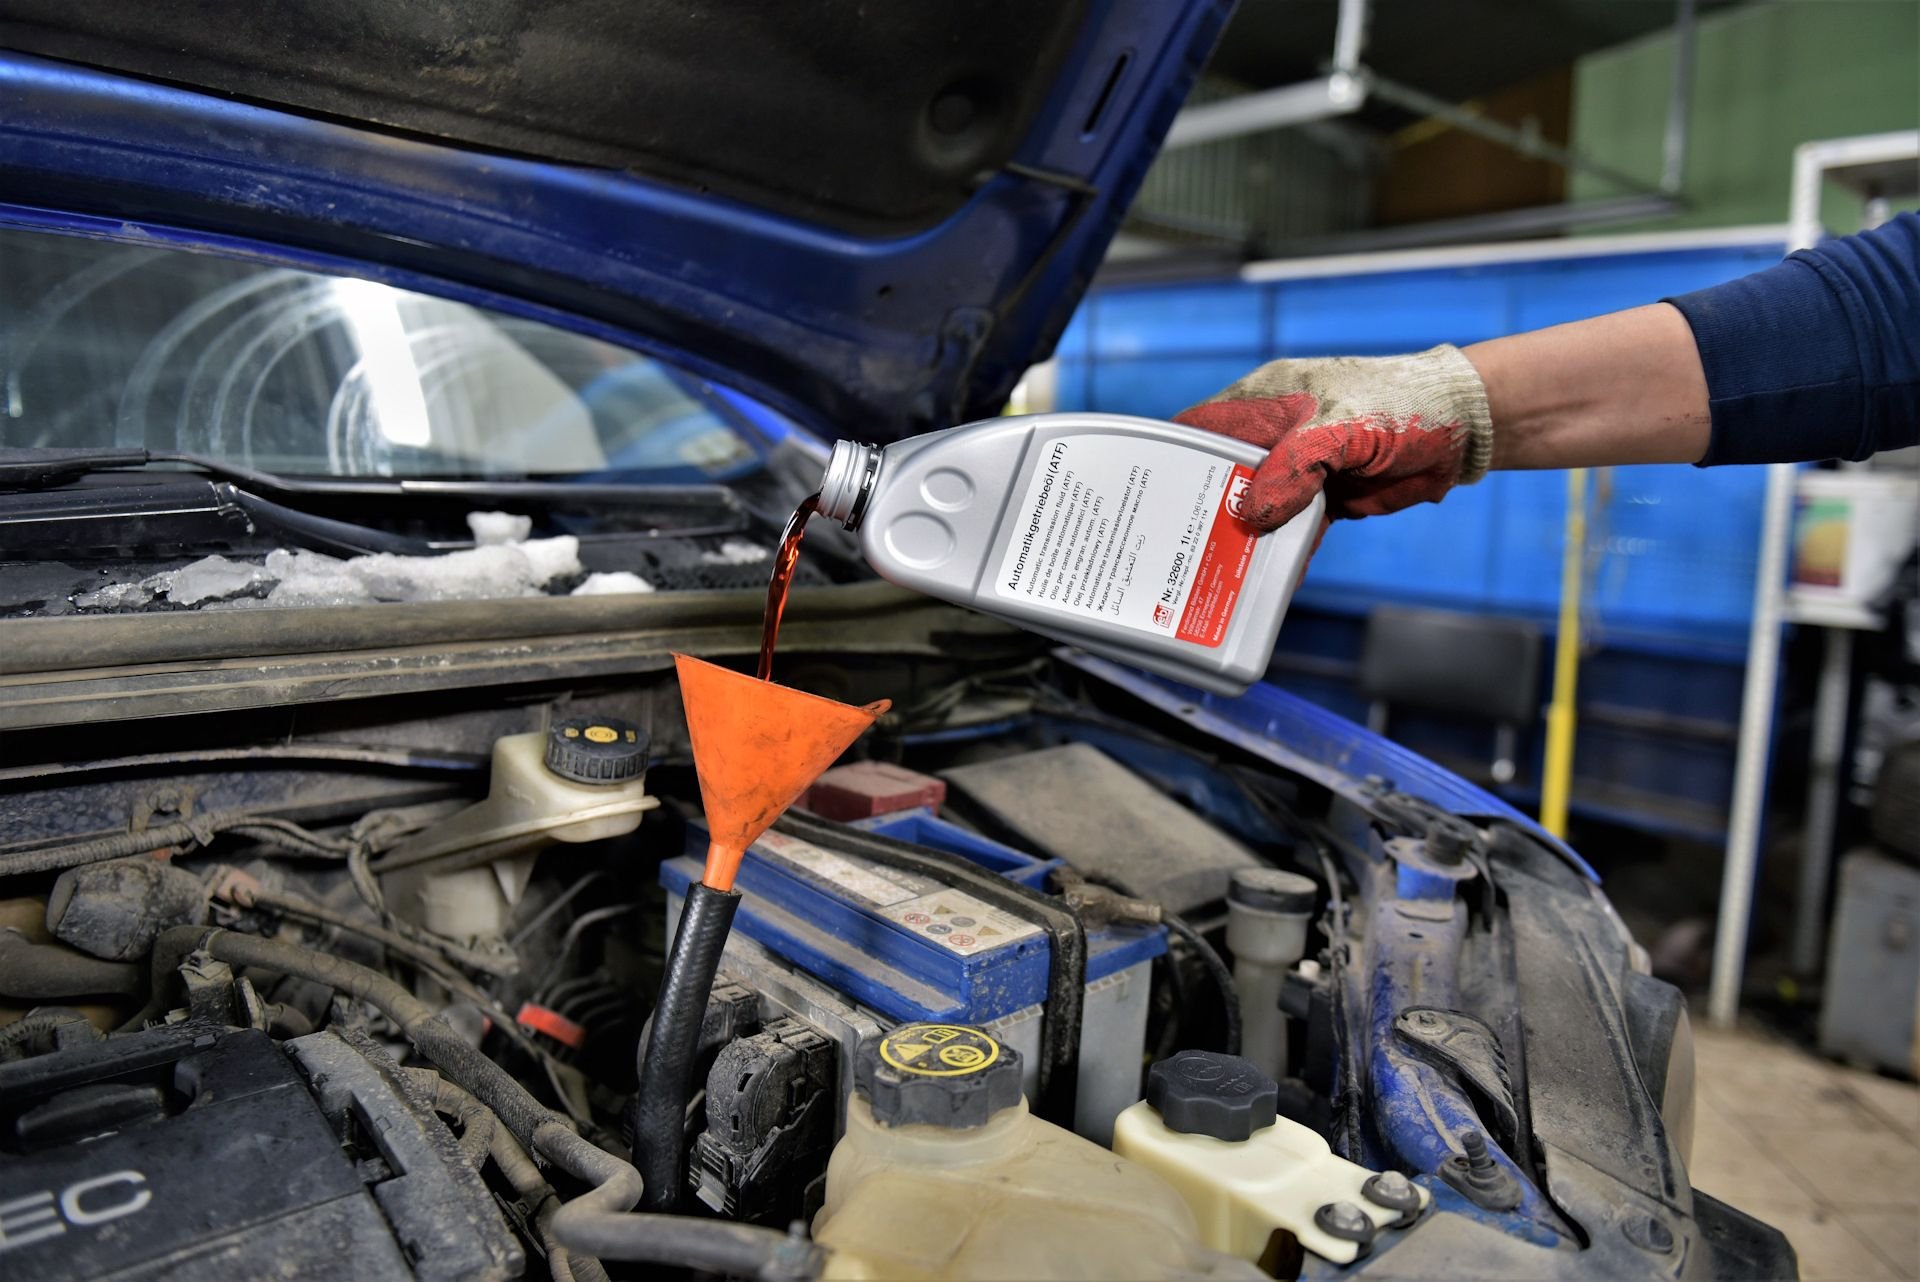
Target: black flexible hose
(36, 1024)
(200, 830)
(40, 971)
(1217, 970)
(711, 1246)
(666, 1064)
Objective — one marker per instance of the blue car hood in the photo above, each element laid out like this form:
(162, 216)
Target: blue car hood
(871, 217)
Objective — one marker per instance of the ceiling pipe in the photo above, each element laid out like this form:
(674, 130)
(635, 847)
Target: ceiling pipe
(1341, 92)
(1673, 157)
(1349, 84)
(1528, 143)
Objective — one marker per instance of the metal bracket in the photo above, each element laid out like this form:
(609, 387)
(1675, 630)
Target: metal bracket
(1462, 1045)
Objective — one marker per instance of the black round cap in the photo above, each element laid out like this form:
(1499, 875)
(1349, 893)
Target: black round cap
(937, 1075)
(597, 750)
(1449, 839)
(1273, 891)
(1208, 1093)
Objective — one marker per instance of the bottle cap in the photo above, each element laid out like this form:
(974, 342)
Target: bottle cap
(597, 750)
(1208, 1093)
(946, 1075)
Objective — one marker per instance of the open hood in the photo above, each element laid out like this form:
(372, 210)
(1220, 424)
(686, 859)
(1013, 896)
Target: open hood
(871, 216)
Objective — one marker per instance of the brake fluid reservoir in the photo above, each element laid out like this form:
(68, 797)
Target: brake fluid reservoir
(943, 1173)
(1121, 535)
(1209, 1127)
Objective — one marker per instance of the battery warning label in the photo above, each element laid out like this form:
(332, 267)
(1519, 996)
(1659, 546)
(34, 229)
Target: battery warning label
(1145, 534)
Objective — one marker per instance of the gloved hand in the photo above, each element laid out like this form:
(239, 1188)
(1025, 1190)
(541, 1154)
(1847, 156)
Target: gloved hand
(1378, 433)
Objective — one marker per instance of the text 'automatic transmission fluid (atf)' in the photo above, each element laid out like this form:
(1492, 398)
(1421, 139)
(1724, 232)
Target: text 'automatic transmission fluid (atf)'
(1119, 535)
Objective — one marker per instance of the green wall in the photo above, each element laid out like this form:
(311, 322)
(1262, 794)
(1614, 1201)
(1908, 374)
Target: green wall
(1766, 77)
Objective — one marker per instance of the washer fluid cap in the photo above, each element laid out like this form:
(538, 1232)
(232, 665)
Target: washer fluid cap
(597, 750)
(947, 1075)
(1208, 1093)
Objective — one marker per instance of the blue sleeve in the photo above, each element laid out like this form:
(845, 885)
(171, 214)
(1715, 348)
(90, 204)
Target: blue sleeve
(1818, 357)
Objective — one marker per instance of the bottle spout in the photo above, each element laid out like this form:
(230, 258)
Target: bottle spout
(756, 747)
(848, 483)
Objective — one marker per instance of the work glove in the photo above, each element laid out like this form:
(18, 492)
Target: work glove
(1377, 433)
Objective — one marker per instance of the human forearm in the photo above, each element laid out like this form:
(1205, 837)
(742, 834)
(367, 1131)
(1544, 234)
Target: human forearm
(1622, 388)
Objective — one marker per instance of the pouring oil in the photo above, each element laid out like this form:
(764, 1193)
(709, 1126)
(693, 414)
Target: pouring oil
(1119, 535)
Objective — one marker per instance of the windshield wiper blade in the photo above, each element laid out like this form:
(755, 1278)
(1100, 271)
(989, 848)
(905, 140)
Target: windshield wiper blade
(38, 468)
(35, 469)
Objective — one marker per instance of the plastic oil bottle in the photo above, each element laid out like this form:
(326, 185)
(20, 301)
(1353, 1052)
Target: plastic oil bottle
(1119, 535)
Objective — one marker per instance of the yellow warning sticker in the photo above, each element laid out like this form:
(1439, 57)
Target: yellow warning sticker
(938, 1050)
(602, 734)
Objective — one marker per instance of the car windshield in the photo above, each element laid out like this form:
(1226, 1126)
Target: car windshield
(106, 344)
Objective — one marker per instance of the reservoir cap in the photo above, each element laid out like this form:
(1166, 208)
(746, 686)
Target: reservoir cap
(1272, 890)
(938, 1075)
(1208, 1093)
(597, 750)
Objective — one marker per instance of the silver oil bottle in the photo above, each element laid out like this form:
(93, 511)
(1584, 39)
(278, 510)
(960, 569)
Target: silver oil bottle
(1116, 534)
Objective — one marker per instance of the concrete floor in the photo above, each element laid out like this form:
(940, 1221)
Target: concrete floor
(1828, 1155)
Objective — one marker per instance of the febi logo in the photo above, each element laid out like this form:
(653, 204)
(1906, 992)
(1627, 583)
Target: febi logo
(1237, 489)
(84, 1204)
(1162, 614)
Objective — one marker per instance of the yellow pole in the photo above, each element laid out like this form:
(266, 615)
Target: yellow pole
(1557, 780)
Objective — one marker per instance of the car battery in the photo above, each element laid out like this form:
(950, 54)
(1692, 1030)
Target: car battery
(907, 947)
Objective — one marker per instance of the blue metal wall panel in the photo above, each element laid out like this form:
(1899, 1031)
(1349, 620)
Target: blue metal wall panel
(1161, 386)
(1214, 319)
(1389, 312)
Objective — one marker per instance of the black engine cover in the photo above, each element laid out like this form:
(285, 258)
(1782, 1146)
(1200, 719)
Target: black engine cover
(200, 1153)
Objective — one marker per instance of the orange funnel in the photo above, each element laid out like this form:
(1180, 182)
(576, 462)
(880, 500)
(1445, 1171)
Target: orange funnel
(756, 747)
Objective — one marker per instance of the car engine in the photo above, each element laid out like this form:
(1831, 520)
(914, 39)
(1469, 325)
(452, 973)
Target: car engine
(1052, 976)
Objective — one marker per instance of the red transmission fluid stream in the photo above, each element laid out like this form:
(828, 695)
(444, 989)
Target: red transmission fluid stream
(784, 563)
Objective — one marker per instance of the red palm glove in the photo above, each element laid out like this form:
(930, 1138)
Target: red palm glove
(1377, 433)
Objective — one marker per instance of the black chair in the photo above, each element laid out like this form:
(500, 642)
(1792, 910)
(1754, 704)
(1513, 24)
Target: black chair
(1468, 665)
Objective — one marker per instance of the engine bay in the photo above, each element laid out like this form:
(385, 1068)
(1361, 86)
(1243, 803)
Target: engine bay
(1045, 979)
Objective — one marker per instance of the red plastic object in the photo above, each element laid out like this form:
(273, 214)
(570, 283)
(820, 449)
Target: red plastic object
(539, 1019)
(868, 788)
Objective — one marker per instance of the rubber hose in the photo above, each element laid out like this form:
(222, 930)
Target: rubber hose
(35, 1023)
(477, 1121)
(432, 1036)
(666, 1065)
(40, 971)
(598, 1225)
(601, 1213)
(1222, 977)
(287, 1021)
(711, 1246)
(198, 831)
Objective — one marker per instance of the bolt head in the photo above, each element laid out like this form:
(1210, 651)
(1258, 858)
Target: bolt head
(1344, 1220)
(1649, 1233)
(1392, 1190)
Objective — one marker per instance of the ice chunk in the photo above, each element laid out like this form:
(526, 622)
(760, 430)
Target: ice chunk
(552, 558)
(477, 574)
(490, 528)
(302, 578)
(314, 578)
(736, 552)
(612, 584)
(115, 596)
(211, 578)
